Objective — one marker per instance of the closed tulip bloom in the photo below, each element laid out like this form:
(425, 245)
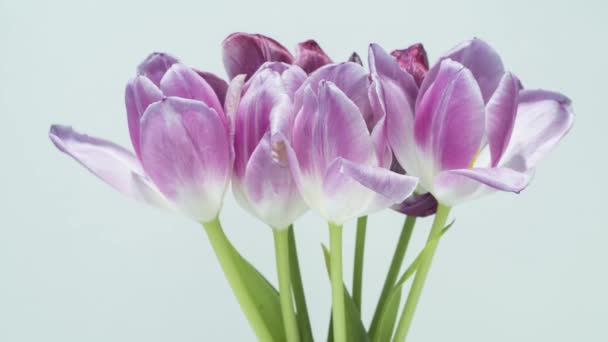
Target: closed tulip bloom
(470, 129)
(180, 136)
(338, 166)
(244, 53)
(263, 185)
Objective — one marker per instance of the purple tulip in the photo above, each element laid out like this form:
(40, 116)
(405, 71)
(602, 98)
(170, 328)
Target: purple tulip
(340, 168)
(470, 129)
(244, 53)
(261, 184)
(183, 154)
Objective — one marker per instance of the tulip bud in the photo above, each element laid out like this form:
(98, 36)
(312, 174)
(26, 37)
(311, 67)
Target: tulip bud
(310, 56)
(413, 60)
(155, 66)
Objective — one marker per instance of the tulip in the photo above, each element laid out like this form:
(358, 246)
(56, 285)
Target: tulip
(413, 60)
(244, 53)
(337, 164)
(469, 130)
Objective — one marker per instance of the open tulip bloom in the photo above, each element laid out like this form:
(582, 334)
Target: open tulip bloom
(298, 133)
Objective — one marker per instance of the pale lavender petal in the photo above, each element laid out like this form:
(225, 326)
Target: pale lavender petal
(155, 66)
(244, 53)
(310, 56)
(500, 116)
(417, 205)
(543, 119)
(139, 94)
(387, 67)
(329, 125)
(182, 81)
(218, 84)
(351, 79)
(413, 59)
(113, 164)
(186, 151)
(450, 118)
(452, 187)
(477, 56)
(233, 98)
(271, 191)
(292, 75)
(264, 98)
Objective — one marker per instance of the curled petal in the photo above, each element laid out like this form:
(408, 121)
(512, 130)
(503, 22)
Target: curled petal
(139, 94)
(113, 164)
(450, 119)
(543, 119)
(155, 66)
(413, 60)
(452, 187)
(417, 205)
(218, 84)
(244, 53)
(181, 81)
(186, 152)
(500, 116)
(310, 56)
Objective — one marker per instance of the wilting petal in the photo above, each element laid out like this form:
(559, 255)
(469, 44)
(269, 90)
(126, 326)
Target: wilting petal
(500, 116)
(543, 118)
(244, 53)
(186, 151)
(413, 60)
(351, 79)
(310, 56)
(113, 164)
(139, 94)
(218, 84)
(155, 66)
(477, 56)
(181, 81)
(265, 97)
(449, 122)
(417, 205)
(329, 126)
(271, 191)
(452, 187)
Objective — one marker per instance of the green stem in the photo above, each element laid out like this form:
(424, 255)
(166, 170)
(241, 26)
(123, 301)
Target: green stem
(337, 284)
(298, 290)
(393, 271)
(224, 252)
(281, 247)
(423, 269)
(358, 267)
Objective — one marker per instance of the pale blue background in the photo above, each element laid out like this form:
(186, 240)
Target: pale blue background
(78, 262)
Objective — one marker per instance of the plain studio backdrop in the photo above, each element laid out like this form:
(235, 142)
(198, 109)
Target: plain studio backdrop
(79, 262)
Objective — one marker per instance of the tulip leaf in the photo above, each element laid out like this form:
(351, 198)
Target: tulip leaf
(388, 317)
(355, 330)
(264, 296)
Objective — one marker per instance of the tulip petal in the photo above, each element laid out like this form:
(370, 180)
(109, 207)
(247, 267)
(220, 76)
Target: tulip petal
(329, 126)
(449, 122)
(186, 151)
(413, 59)
(351, 79)
(139, 94)
(155, 66)
(111, 163)
(244, 53)
(452, 187)
(500, 116)
(218, 84)
(181, 81)
(543, 119)
(270, 188)
(417, 205)
(479, 57)
(310, 56)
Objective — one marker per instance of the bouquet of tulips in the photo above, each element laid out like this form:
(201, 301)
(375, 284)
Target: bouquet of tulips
(304, 132)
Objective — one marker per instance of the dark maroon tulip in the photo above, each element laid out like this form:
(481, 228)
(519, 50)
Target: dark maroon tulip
(414, 61)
